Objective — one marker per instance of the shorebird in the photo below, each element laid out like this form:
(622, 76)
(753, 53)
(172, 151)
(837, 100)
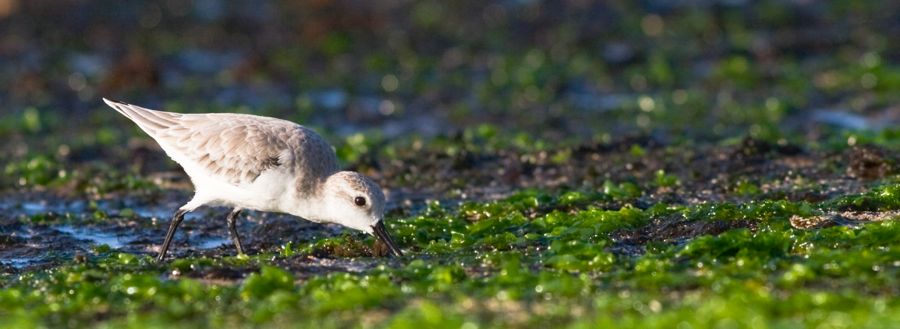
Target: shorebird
(260, 163)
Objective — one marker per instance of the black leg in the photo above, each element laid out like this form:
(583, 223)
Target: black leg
(179, 216)
(232, 230)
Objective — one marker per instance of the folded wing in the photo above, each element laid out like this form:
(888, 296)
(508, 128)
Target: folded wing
(234, 147)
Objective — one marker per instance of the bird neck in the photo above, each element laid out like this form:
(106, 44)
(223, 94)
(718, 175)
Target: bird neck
(312, 206)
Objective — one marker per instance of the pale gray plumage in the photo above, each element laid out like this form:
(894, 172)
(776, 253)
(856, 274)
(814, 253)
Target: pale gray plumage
(252, 162)
(238, 147)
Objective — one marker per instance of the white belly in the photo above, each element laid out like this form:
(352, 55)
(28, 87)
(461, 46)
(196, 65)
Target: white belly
(266, 193)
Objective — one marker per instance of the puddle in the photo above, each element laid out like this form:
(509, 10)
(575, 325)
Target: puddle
(164, 211)
(152, 212)
(95, 236)
(20, 262)
(34, 207)
(28, 244)
(845, 119)
(31, 208)
(213, 243)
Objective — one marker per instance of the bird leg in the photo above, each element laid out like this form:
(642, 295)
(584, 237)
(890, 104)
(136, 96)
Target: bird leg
(179, 216)
(232, 230)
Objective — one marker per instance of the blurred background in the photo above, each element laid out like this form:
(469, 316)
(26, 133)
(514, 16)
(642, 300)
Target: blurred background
(555, 68)
(577, 72)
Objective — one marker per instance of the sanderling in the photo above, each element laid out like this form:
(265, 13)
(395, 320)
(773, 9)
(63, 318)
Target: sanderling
(252, 162)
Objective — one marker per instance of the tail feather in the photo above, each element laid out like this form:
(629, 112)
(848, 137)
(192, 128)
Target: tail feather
(148, 120)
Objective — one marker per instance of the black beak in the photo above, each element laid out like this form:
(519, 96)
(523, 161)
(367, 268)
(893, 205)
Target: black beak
(382, 234)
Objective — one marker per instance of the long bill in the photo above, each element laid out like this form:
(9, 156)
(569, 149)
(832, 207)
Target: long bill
(382, 234)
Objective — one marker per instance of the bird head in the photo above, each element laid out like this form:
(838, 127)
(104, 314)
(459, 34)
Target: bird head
(355, 201)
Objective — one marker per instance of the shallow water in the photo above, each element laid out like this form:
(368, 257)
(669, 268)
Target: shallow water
(96, 237)
(213, 243)
(20, 262)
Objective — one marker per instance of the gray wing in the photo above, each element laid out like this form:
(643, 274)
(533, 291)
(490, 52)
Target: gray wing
(235, 147)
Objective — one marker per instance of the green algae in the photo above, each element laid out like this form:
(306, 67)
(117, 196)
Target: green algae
(528, 260)
(45, 172)
(885, 197)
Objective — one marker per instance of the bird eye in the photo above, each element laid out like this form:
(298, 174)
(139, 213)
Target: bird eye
(360, 201)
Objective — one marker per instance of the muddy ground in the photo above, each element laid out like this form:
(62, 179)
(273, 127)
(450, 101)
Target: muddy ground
(43, 229)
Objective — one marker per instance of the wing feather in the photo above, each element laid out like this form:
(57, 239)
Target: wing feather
(237, 148)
